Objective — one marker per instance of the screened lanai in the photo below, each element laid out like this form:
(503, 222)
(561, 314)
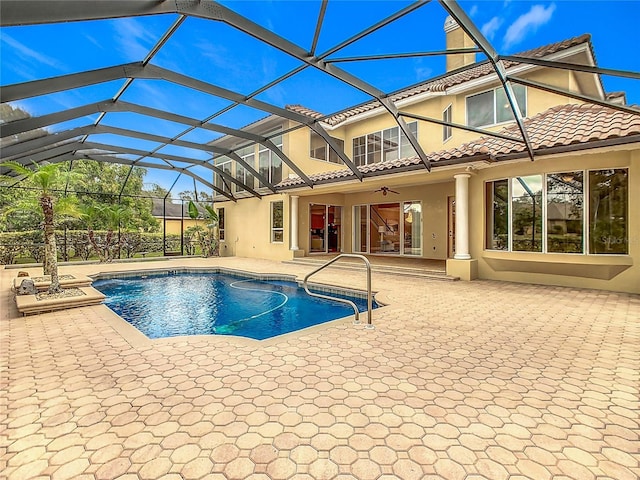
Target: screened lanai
(175, 87)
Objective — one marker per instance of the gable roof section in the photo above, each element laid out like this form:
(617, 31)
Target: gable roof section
(440, 84)
(572, 126)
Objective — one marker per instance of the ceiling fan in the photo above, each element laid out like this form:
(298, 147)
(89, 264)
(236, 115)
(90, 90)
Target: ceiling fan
(385, 190)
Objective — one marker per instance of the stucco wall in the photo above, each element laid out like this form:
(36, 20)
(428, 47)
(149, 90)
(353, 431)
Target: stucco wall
(248, 229)
(173, 226)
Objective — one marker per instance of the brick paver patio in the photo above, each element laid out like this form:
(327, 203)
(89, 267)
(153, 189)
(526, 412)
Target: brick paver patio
(458, 381)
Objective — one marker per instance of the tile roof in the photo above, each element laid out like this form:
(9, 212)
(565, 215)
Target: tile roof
(560, 126)
(440, 84)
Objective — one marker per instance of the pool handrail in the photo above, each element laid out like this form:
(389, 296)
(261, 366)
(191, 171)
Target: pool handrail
(356, 321)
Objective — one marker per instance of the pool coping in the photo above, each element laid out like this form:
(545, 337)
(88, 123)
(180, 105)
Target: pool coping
(136, 337)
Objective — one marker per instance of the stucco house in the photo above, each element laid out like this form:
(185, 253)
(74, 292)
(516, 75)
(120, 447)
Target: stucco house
(561, 207)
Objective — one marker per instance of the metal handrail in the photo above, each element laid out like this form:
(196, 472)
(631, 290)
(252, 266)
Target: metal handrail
(369, 325)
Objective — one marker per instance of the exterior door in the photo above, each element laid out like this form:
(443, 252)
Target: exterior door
(318, 230)
(325, 223)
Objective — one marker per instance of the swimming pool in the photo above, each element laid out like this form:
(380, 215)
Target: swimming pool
(172, 303)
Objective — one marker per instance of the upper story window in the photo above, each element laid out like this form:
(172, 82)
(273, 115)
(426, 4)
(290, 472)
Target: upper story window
(446, 130)
(320, 149)
(248, 154)
(489, 108)
(383, 146)
(224, 164)
(270, 165)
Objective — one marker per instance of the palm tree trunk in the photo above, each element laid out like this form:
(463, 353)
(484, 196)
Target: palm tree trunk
(94, 243)
(51, 252)
(45, 261)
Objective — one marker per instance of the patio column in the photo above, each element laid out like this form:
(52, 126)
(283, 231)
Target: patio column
(462, 216)
(294, 222)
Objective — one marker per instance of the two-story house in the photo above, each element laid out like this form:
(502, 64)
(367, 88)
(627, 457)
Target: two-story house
(563, 209)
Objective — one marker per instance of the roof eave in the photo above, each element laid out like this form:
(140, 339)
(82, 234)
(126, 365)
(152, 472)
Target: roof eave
(481, 157)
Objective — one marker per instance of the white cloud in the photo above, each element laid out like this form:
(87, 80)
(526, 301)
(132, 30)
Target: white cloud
(219, 57)
(153, 95)
(97, 43)
(528, 23)
(473, 11)
(29, 54)
(133, 39)
(490, 28)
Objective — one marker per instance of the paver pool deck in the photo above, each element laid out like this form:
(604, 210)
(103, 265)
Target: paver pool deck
(457, 381)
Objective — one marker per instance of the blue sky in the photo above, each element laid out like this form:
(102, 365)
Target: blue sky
(218, 54)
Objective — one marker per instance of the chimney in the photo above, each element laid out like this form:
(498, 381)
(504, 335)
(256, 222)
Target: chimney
(457, 38)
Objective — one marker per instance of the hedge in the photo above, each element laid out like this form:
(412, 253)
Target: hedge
(29, 245)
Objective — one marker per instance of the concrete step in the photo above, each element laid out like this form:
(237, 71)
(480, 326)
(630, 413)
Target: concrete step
(389, 269)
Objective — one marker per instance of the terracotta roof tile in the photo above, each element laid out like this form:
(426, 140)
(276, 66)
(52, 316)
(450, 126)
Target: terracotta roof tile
(441, 84)
(563, 125)
(304, 111)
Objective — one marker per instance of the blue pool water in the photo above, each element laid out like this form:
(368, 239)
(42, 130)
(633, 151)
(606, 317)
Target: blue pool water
(215, 303)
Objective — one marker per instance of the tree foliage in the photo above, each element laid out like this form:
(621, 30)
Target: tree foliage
(46, 178)
(99, 183)
(195, 196)
(205, 237)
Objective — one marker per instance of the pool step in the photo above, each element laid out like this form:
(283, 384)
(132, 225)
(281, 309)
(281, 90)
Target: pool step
(390, 269)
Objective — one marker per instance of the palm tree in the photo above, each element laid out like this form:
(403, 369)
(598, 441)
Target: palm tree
(111, 216)
(208, 241)
(45, 177)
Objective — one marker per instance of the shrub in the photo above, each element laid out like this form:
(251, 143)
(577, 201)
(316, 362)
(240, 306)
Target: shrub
(16, 246)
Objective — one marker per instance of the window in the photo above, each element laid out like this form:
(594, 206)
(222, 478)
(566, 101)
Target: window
(320, 149)
(225, 166)
(406, 150)
(446, 130)
(525, 214)
(277, 222)
(564, 212)
(374, 148)
(390, 141)
(242, 174)
(270, 165)
(221, 224)
(489, 108)
(383, 146)
(359, 151)
(609, 211)
(497, 208)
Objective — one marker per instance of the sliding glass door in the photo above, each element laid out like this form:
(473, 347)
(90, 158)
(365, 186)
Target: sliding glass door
(388, 228)
(412, 233)
(384, 234)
